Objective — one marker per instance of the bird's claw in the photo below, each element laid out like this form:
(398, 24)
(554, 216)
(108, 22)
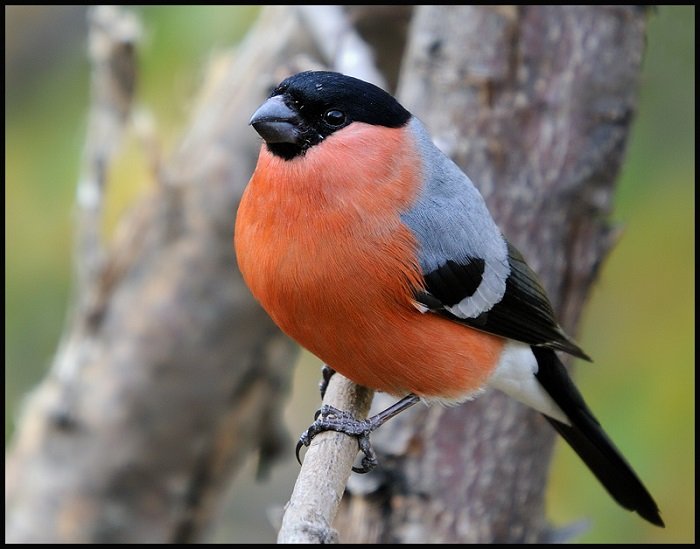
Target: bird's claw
(369, 461)
(328, 418)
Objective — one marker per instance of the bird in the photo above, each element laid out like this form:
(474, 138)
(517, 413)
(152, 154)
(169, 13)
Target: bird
(373, 250)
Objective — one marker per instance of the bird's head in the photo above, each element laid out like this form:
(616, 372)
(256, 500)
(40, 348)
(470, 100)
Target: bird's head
(308, 107)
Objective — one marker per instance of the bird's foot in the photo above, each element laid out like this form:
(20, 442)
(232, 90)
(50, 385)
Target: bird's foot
(328, 418)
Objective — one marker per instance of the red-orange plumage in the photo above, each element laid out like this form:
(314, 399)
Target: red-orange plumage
(321, 245)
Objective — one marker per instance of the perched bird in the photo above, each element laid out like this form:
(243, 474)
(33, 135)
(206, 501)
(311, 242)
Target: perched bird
(375, 252)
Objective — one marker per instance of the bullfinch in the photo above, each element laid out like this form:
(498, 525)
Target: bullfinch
(374, 251)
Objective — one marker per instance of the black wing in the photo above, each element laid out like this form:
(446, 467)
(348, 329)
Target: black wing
(524, 313)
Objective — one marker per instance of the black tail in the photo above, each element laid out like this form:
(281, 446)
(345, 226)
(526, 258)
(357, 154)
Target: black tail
(589, 441)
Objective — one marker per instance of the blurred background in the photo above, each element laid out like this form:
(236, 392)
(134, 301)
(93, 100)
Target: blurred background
(638, 325)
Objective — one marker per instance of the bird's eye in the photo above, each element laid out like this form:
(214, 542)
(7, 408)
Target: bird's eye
(334, 117)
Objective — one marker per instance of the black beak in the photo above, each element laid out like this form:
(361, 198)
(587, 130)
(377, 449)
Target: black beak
(276, 122)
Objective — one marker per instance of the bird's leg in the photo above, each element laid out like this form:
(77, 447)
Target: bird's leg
(328, 418)
(327, 373)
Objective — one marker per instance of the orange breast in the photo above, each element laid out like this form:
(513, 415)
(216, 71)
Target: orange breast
(320, 243)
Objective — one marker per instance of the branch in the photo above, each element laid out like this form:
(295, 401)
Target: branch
(113, 34)
(325, 471)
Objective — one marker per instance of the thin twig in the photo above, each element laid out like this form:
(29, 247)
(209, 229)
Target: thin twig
(325, 471)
